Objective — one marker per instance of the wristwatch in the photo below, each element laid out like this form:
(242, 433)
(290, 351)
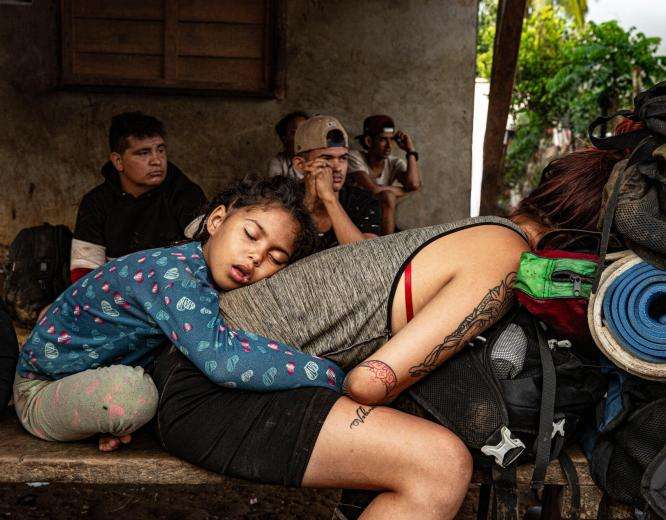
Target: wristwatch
(414, 153)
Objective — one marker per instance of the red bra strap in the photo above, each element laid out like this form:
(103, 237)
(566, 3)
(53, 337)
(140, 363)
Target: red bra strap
(409, 308)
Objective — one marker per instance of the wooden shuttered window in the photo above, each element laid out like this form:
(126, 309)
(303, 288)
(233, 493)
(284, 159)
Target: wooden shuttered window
(196, 45)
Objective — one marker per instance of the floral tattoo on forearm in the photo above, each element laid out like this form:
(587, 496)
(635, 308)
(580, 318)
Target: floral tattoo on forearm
(382, 373)
(493, 306)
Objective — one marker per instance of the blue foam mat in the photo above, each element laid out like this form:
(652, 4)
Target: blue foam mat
(635, 311)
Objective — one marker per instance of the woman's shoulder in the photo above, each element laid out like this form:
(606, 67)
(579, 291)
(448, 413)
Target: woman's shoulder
(490, 227)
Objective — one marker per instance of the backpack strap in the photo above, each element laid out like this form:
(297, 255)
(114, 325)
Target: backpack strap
(569, 470)
(602, 510)
(505, 497)
(483, 507)
(547, 411)
(616, 142)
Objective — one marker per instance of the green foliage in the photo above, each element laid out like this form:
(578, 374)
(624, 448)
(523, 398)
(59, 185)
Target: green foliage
(523, 148)
(575, 10)
(485, 37)
(603, 60)
(563, 69)
(544, 34)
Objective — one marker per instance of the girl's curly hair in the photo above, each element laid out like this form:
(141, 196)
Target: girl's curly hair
(279, 191)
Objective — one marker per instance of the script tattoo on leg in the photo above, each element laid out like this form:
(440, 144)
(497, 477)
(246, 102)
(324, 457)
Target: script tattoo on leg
(493, 306)
(382, 372)
(362, 413)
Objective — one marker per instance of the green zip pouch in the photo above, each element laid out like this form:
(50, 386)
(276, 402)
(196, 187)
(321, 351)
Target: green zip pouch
(554, 285)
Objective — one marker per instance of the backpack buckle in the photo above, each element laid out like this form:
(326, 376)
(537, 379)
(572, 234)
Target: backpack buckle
(561, 343)
(558, 427)
(507, 448)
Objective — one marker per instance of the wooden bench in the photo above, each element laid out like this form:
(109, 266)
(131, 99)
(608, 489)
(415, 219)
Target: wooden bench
(24, 459)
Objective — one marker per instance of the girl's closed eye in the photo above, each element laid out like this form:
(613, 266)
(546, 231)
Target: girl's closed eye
(277, 261)
(250, 235)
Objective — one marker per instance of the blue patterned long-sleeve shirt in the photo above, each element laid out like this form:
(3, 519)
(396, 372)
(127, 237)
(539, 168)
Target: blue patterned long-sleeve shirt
(120, 313)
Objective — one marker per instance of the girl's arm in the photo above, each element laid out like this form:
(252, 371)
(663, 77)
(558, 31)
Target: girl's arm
(186, 310)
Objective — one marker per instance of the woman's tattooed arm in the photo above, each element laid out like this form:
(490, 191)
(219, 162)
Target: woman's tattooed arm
(381, 372)
(493, 306)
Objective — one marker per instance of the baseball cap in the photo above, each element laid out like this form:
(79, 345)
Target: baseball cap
(378, 124)
(320, 132)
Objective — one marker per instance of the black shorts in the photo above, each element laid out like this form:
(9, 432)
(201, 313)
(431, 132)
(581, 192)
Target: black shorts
(266, 437)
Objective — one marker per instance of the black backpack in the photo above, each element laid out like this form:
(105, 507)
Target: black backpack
(9, 351)
(629, 458)
(635, 195)
(515, 394)
(38, 270)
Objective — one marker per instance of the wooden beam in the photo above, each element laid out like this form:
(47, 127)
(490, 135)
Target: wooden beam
(510, 14)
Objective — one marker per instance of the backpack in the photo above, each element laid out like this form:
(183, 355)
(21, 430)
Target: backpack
(630, 452)
(38, 270)
(628, 456)
(517, 393)
(9, 351)
(635, 195)
(554, 283)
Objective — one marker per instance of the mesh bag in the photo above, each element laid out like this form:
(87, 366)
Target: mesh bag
(497, 381)
(640, 216)
(462, 396)
(507, 356)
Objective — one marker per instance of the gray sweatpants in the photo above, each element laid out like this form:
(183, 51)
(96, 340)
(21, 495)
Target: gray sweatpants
(117, 400)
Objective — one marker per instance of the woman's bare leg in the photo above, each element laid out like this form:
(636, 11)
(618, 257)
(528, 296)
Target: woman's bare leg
(422, 468)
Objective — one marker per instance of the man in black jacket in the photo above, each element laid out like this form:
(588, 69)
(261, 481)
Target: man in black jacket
(144, 202)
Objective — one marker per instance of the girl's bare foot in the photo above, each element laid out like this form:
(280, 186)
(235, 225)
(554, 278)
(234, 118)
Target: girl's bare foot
(111, 443)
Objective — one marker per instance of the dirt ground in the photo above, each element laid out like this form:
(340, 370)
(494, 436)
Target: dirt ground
(234, 501)
(237, 500)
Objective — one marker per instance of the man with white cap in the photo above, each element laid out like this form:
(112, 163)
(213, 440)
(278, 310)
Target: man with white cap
(377, 171)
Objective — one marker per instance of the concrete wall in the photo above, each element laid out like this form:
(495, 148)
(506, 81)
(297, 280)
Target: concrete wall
(413, 59)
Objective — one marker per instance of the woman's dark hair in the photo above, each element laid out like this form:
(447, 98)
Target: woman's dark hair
(280, 191)
(570, 191)
(282, 124)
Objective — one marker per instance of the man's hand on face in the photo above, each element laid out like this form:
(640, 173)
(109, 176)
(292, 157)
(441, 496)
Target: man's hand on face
(403, 141)
(319, 180)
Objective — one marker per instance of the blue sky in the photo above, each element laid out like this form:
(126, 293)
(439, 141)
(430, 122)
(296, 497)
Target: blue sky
(648, 16)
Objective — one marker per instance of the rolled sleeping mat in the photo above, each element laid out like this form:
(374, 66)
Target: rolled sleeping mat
(627, 317)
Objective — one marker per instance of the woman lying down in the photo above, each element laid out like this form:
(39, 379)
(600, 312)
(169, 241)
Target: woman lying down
(389, 310)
